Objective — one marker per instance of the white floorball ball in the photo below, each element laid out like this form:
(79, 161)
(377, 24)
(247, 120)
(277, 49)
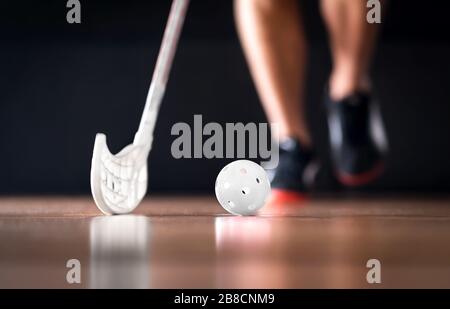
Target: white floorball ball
(242, 187)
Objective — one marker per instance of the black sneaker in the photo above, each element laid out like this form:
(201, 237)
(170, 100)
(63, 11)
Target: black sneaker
(295, 173)
(358, 140)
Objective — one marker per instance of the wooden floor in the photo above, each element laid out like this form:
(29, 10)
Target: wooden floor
(191, 243)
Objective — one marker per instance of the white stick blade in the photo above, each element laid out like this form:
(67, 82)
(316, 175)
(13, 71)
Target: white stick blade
(118, 182)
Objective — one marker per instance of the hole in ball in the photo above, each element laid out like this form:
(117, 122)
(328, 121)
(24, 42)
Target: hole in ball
(245, 190)
(257, 180)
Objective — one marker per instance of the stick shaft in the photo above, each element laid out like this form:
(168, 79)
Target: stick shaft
(160, 77)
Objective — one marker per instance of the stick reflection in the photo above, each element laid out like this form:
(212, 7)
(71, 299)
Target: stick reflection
(119, 252)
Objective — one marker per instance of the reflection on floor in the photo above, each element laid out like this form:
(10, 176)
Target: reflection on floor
(192, 243)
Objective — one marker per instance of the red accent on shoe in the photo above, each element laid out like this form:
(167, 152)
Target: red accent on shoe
(280, 196)
(355, 180)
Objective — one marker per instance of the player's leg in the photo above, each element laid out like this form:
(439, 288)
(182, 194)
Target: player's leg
(357, 152)
(352, 41)
(275, 48)
(274, 44)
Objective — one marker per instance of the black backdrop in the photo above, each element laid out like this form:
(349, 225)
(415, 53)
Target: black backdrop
(61, 83)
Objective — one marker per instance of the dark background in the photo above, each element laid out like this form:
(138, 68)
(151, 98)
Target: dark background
(61, 83)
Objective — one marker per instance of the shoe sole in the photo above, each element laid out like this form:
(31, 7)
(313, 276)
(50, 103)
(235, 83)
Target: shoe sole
(357, 180)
